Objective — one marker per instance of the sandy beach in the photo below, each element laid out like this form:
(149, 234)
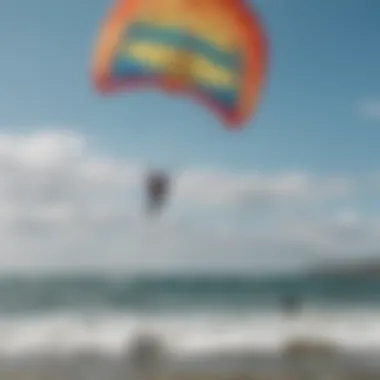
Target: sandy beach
(72, 374)
(299, 361)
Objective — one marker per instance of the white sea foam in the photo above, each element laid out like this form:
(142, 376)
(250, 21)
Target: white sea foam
(186, 334)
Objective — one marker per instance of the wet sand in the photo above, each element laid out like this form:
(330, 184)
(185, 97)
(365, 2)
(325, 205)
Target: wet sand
(203, 376)
(232, 366)
(149, 359)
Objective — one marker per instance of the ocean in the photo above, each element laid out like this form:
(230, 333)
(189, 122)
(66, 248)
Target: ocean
(195, 315)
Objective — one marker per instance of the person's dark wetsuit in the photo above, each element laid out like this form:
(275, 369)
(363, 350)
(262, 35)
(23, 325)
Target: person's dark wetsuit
(157, 189)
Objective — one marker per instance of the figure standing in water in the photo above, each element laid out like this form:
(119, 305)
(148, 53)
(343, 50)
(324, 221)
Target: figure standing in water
(291, 305)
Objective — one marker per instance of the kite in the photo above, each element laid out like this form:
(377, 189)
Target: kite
(212, 50)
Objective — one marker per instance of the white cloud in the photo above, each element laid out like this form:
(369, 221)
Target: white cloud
(62, 206)
(218, 188)
(371, 109)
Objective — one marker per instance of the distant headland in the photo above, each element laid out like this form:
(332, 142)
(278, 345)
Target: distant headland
(357, 268)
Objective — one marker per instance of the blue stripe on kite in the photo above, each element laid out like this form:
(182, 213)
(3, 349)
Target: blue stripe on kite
(226, 98)
(181, 39)
(124, 67)
(128, 69)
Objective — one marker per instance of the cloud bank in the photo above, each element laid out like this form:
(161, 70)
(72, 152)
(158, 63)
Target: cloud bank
(63, 208)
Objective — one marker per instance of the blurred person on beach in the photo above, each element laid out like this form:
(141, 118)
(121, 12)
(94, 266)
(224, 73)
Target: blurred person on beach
(291, 305)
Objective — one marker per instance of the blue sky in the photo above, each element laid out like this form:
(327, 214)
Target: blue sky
(324, 69)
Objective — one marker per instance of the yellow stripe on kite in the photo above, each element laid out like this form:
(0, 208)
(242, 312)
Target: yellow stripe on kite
(212, 74)
(177, 62)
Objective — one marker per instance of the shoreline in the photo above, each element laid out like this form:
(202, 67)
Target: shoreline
(233, 365)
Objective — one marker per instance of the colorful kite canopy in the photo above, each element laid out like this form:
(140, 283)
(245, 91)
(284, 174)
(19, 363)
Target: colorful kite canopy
(214, 50)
